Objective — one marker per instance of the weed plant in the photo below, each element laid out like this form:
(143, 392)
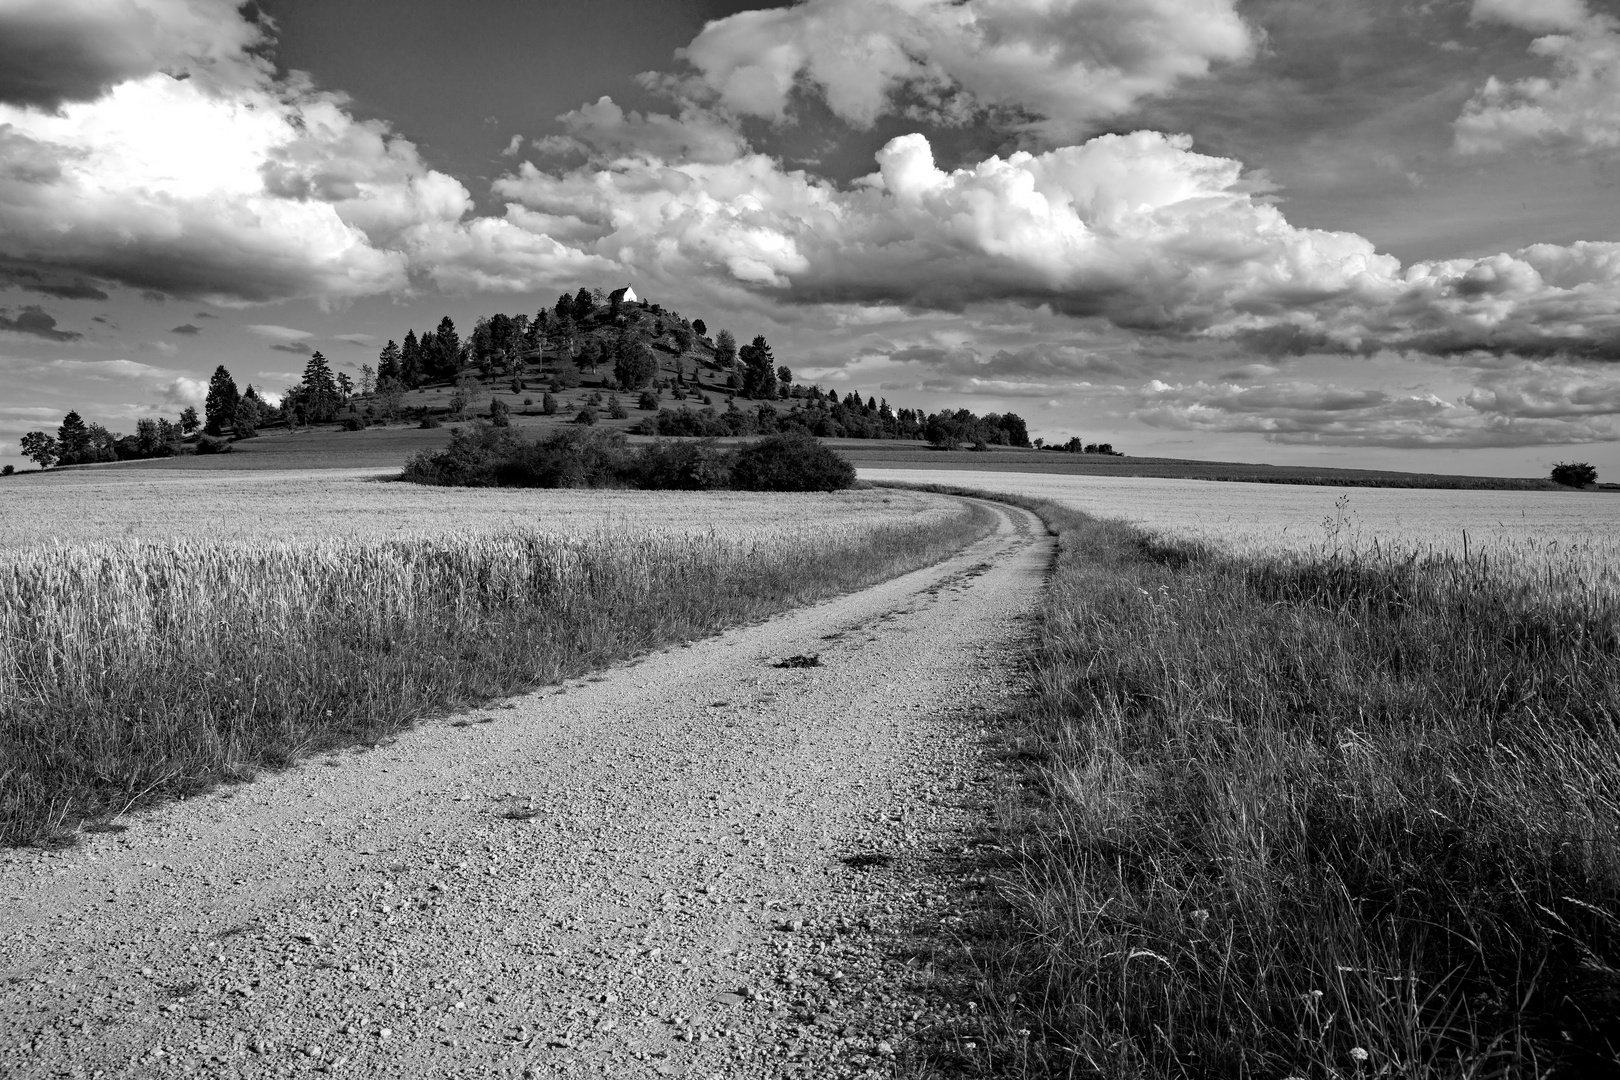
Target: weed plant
(129, 673)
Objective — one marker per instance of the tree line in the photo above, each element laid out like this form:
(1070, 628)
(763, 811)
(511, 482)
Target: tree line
(585, 331)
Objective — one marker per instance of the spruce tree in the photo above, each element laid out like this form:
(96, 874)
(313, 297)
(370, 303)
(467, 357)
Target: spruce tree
(759, 369)
(411, 367)
(73, 439)
(321, 390)
(388, 360)
(220, 405)
(445, 360)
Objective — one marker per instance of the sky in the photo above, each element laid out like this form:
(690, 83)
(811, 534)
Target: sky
(1372, 233)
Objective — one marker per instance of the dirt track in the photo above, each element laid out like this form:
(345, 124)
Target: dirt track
(698, 864)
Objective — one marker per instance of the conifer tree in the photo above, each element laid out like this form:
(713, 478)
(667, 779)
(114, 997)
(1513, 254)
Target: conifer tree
(410, 361)
(445, 358)
(321, 392)
(388, 361)
(759, 369)
(73, 439)
(219, 407)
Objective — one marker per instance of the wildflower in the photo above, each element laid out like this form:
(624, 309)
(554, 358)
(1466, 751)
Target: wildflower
(1358, 1054)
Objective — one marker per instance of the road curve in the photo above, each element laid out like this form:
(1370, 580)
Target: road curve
(694, 864)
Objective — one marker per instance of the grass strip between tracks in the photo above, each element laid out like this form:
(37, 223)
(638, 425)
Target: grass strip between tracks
(1340, 814)
(129, 675)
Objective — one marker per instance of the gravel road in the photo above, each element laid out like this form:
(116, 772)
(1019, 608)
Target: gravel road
(703, 863)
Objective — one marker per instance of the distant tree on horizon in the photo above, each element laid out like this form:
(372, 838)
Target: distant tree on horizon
(1575, 474)
(188, 420)
(40, 448)
(758, 369)
(322, 394)
(220, 405)
(72, 439)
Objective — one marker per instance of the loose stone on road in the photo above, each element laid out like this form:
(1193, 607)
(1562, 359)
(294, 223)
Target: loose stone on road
(697, 864)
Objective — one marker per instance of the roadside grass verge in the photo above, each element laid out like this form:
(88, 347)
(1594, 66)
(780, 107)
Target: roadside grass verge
(1352, 813)
(134, 674)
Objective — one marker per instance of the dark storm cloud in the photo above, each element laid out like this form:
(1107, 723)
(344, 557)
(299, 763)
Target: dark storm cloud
(48, 283)
(187, 330)
(37, 322)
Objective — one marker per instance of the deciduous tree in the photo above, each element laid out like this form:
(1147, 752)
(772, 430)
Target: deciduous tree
(40, 448)
(1574, 474)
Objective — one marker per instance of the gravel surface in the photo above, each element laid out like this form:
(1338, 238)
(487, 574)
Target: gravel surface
(714, 861)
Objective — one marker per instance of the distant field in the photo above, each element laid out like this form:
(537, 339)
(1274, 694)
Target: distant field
(1576, 531)
(118, 504)
(881, 454)
(390, 446)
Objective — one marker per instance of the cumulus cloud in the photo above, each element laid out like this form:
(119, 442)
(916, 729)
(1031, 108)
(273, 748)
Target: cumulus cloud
(58, 51)
(215, 181)
(1063, 63)
(603, 132)
(183, 391)
(1578, 108)
(36, 322)
(1137, 229)
(1034, 371)
(1535, 405)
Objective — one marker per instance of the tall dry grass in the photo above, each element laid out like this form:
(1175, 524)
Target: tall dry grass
(1352, 812)
(128, 674)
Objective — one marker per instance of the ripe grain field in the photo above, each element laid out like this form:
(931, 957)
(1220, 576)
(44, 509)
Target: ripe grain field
(157, 637)
(1321, 802)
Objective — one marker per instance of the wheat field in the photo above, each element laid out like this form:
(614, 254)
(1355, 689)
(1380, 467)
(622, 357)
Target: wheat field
(123, 506)
(157, 636)
(1571, 538)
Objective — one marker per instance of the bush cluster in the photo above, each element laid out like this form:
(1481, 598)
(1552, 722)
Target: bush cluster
(482, 455)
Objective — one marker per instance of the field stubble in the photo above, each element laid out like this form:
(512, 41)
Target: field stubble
(1345, 809)
(130, 671)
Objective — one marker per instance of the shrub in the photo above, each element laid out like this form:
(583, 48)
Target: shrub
(429, 421)
(528, 401)
(7, 470)
(548, 405)
(586, 416)
(686, 466)
(792, 461)
(500, 413)
(354, 423)
(649, 399)
(208, 444)
(615, 408)
(1574, 474)
(483, 455)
